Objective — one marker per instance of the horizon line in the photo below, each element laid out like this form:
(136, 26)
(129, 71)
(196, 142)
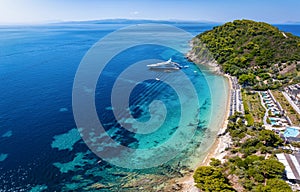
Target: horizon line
(142, 19)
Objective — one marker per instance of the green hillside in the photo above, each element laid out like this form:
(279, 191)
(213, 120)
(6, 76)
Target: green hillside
(258, 53)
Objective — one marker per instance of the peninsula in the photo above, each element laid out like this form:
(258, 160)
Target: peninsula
(263, 65)
(259, 54)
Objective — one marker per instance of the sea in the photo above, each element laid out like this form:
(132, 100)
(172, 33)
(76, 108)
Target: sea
(42, 146)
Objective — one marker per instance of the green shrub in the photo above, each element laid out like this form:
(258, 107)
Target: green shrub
(249, 119)
(209, 178)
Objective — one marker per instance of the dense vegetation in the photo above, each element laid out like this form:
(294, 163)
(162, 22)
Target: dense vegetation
(259, 54)
(254, 111)
(211, 179)
(250, 164)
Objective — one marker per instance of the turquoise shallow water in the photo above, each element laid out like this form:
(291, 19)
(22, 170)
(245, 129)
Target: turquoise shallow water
(40, 146)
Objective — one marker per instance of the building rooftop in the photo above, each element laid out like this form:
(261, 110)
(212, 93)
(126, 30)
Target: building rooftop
(292, 165)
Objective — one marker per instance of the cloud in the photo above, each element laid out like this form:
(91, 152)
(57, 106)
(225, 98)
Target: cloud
(134, 13)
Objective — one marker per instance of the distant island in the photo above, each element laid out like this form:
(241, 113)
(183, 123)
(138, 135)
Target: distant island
(259, 54)
(136, 21)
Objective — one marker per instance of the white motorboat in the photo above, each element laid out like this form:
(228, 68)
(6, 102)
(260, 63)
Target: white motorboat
(165, 65)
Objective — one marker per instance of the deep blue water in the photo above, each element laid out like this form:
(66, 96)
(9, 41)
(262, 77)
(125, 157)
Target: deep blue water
(294, 29)
(37, 69)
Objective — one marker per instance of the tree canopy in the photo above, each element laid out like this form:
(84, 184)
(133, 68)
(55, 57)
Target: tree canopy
(250, 163)
(274, 185)
(209, 178)
(247, 49)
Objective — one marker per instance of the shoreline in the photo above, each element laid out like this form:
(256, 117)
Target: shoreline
(216, 150)
(221, 141)
(212, 143)
(207, 60)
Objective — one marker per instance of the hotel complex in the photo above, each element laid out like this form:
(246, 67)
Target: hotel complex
(277, 119)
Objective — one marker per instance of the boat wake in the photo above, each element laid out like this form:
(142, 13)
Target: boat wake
(166, 65)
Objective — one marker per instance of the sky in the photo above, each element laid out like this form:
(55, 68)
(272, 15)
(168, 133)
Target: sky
(45, 11)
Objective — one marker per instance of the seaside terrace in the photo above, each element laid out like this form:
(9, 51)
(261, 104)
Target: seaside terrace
(275, 115)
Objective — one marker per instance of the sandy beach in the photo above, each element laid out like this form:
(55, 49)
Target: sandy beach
(215, 150)
(221, 141)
